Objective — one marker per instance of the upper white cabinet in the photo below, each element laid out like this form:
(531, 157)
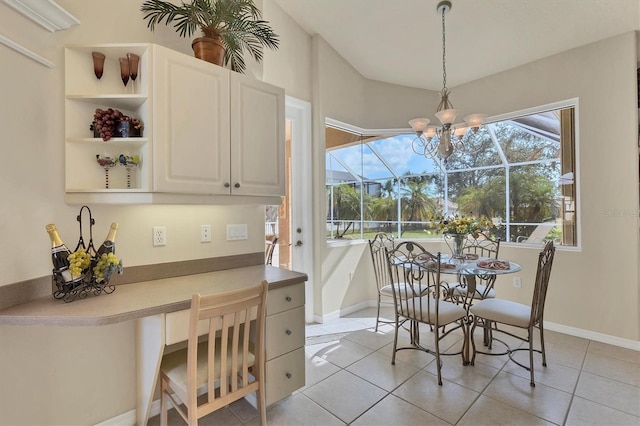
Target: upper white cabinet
(210, 135)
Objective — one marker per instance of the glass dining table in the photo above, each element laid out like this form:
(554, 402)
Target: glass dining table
(477, 276)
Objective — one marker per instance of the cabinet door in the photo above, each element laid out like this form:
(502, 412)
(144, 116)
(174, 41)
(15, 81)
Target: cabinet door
(191, 123)
(257, 137)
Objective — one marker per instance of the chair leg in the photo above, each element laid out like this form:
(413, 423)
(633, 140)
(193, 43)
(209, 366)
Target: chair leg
(544, 355)
(438, 365)
(163, 402)
(395, 341)
(473, 342)
(262, 408)
(378, 316)
(530, 335)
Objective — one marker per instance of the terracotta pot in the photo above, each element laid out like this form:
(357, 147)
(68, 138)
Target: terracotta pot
(208, 49)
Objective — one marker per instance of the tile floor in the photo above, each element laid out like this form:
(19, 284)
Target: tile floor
(350, 380)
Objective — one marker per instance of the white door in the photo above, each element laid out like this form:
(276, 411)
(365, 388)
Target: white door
(298, 114)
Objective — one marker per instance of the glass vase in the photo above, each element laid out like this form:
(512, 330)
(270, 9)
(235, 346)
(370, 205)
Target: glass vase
(456, 245)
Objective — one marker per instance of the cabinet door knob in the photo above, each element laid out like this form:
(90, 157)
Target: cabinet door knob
(226, 184)
(288, 375)
(288, 332)
(288, 298)
(237, 185)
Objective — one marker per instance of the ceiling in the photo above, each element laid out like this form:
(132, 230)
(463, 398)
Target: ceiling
(400, 41)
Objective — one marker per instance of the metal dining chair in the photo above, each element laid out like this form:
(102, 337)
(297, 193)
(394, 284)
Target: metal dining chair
(377, 247)
(482, 246)
(419, 298)
(270, 246)
(527, 317)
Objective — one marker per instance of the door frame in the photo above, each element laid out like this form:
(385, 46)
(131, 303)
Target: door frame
(298, 112)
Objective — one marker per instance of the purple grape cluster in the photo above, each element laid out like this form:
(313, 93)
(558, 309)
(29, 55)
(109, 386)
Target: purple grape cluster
(106, 122)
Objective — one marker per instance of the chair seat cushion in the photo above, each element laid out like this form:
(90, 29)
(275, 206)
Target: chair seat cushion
(448, 312)
(174, 365)
(403, 287)
(503, 311)
(461, 291)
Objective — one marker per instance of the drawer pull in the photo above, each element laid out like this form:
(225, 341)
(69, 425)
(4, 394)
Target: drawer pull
(288, 375)
(288, 332)
(288, 298)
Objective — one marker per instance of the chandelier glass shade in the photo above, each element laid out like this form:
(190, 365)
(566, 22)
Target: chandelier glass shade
(441, 141)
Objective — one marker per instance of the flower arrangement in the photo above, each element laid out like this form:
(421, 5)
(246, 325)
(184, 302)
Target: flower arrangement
(464, 225)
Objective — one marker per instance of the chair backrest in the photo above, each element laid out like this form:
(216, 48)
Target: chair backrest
(378, 246)
(416, 276)
(483, 246)
(270, 245)
(545, 261)
(230, 315)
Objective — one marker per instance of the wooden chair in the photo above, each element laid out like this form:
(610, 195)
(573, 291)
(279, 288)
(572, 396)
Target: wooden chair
(497, 311)
(222, 363)
(418, 299)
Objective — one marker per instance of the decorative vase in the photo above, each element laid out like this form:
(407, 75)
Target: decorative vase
(208, 49)
(457, 244)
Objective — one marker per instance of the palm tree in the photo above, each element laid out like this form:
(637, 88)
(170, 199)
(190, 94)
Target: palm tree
(416, 204)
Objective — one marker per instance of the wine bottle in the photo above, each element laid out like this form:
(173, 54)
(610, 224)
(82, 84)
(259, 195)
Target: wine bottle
(109, 245)
(59, 253)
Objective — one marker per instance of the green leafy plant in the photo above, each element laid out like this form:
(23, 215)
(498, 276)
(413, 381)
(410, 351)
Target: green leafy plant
(236, 24)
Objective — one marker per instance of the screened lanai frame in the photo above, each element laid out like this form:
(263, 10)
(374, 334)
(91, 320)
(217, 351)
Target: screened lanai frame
(351, 170)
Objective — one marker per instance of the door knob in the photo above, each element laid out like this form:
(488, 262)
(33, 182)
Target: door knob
(237, 185)
(298, 243)
(298, 230)
(226, 184)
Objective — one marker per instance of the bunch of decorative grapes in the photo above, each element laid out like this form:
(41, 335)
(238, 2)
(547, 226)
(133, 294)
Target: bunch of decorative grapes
(105, 266)
(106, 122)
(79, 261)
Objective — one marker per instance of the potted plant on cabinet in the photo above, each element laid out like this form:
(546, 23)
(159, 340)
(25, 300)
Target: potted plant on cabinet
(228, 27)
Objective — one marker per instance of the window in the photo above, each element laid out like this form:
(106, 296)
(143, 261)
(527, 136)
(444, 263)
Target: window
(518, 171)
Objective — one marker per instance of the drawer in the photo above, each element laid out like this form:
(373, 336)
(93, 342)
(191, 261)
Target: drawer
(284, 332)
(285, 298)
(177, 327)
(284, 375)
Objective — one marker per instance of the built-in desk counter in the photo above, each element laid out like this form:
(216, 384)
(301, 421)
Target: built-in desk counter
(149, 302)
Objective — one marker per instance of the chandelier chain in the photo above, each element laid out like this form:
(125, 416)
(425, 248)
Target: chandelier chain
(444, 50)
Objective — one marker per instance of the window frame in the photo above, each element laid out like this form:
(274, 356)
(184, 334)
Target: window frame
(569, 103)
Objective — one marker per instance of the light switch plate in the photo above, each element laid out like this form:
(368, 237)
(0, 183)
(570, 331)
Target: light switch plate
(237, 232)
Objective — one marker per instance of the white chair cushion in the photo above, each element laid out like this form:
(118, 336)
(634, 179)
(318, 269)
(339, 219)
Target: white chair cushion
(460, 291)
(174, 365)
(447, 311)
(402, 287)
(503, 311)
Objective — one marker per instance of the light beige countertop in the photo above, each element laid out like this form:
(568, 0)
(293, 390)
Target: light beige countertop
(146, 298)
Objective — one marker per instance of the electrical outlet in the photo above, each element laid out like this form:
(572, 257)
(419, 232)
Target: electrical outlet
(159, 236)
(205, 233)
(517, 282)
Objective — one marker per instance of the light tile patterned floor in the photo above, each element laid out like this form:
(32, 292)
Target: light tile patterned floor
(350, 380)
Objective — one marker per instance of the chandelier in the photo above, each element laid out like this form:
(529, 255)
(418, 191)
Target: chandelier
(440, 141)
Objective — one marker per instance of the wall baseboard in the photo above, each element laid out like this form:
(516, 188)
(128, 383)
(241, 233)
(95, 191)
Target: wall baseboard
(551, 326)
